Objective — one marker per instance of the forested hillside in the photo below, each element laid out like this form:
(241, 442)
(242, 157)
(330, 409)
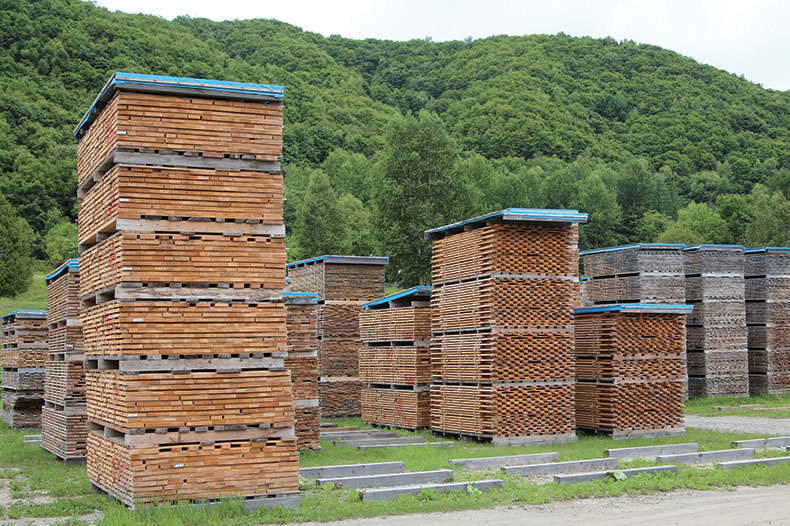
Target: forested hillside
(384, 139)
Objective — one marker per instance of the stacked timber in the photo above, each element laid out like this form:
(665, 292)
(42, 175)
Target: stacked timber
(64, 419)
(718, 363)
(395, 364)
(301, 320)
(643, 273)
(182, 264)
(631, 369)
(767, 272)
(343, 284)
(23, 360)
(504, 287)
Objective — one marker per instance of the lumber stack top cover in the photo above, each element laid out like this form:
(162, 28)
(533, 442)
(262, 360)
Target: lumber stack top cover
(404, 298)
(518, 215)
(219, 89)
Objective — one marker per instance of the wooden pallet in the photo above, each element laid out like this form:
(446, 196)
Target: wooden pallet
(64, 433)
(308, 420)
(767, 262)
(715, 288)
(503, 356)
(339, 320)
(715, 386)
(769, 338)
(714, 339)
(714, 259)
(65, 339)
(769, 383)
(183, 328)
(774, 362)
(664, 289)
(63, 298)
(302, 325)
(610, 407)
(214, 200)
(340, 397)
(404, 365)
(339, 357)
(24, 355)
(24, 378)
(240, 262)
(200, 470)
(22, 408)
(209, 127)
(503, 411)
(360, 281)
(507, 248)
(727, 363)
(396, 407)
(652, 258)
(772, 288)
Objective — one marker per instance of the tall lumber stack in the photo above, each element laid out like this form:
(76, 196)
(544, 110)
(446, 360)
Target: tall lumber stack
(64, 419)
(504, 285)
(395, 364)
(631, 369)
(768, 319)
(718, 362)
(301, 321)
(182, 269)
(343, 285)
(649, 273)
(23, 357)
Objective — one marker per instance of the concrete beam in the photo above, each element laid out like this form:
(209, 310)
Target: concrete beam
(652, 451)
(378, 441)
(556, 468)
(397, 446)
(365, 433)
(377, 495)
(352, 470)
(708, 456)
(394, 479)
(763, 443)
(575, 478)
(501, 462)
(754, 462)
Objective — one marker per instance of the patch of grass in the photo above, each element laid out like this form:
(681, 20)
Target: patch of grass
(704, 406)
(34, 298)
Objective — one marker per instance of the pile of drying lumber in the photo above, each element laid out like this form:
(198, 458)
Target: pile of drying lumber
(768, 319)
(395, 363)
(504, 287)
(64, 420)
(301, 321)
(182, 271)
(343, 285)
(716, 330)
(643, 273)
(631, 369)
(23, 358)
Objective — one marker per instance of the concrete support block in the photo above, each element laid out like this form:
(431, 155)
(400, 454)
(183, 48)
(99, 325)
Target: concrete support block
(396, 479)
(377, 495)
(556, 468)
(352, 470)
(501, 462)
(652, 451)
(707, 456)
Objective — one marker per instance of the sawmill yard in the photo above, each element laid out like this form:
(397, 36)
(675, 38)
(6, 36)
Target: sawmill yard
(37, 488)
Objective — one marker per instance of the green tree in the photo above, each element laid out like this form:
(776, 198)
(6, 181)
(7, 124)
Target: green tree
(605, 217)
(61, 243)
(15, 263)
(421, 186)
(319, 225)
(696, 223)
(771, 223)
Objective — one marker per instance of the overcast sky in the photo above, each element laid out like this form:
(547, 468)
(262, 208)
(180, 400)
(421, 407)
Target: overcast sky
(746, 37)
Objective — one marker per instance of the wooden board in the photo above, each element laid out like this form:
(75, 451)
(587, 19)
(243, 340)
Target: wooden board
(182, 328)
(336, 281)
(340, 398)
(339, 357)
(396, 407)
(63, 298)
(64, 434)
(221, 468)
(403, 365)
(65, 382)
(199, 126)
(636, 259)
(134, 193)
(404, 324)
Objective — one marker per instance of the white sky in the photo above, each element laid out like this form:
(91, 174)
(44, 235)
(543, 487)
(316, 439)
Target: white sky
(746, 37)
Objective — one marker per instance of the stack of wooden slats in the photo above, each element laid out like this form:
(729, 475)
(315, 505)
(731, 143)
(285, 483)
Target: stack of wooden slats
(64, 419)
(395, 362)
(504, 287)
(343, 285)
(302, 325)
(643, 273)
(767, 273)
(716, 330)
(182, 272)
(23, 359)
(631, 369)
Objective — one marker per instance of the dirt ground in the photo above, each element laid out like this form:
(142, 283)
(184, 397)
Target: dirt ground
(743, 506)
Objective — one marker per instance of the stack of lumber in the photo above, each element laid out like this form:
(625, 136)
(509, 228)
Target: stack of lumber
(642, 273)
(395, 363)
(767, 272)
(343, 285)
(504, 288)
(23, 360)
(716, 341)
(64, 420)
(631, 369)
(301, 321)
(182, 271)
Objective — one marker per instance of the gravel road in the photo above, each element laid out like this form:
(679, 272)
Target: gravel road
(741, 424)
(741, 507)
